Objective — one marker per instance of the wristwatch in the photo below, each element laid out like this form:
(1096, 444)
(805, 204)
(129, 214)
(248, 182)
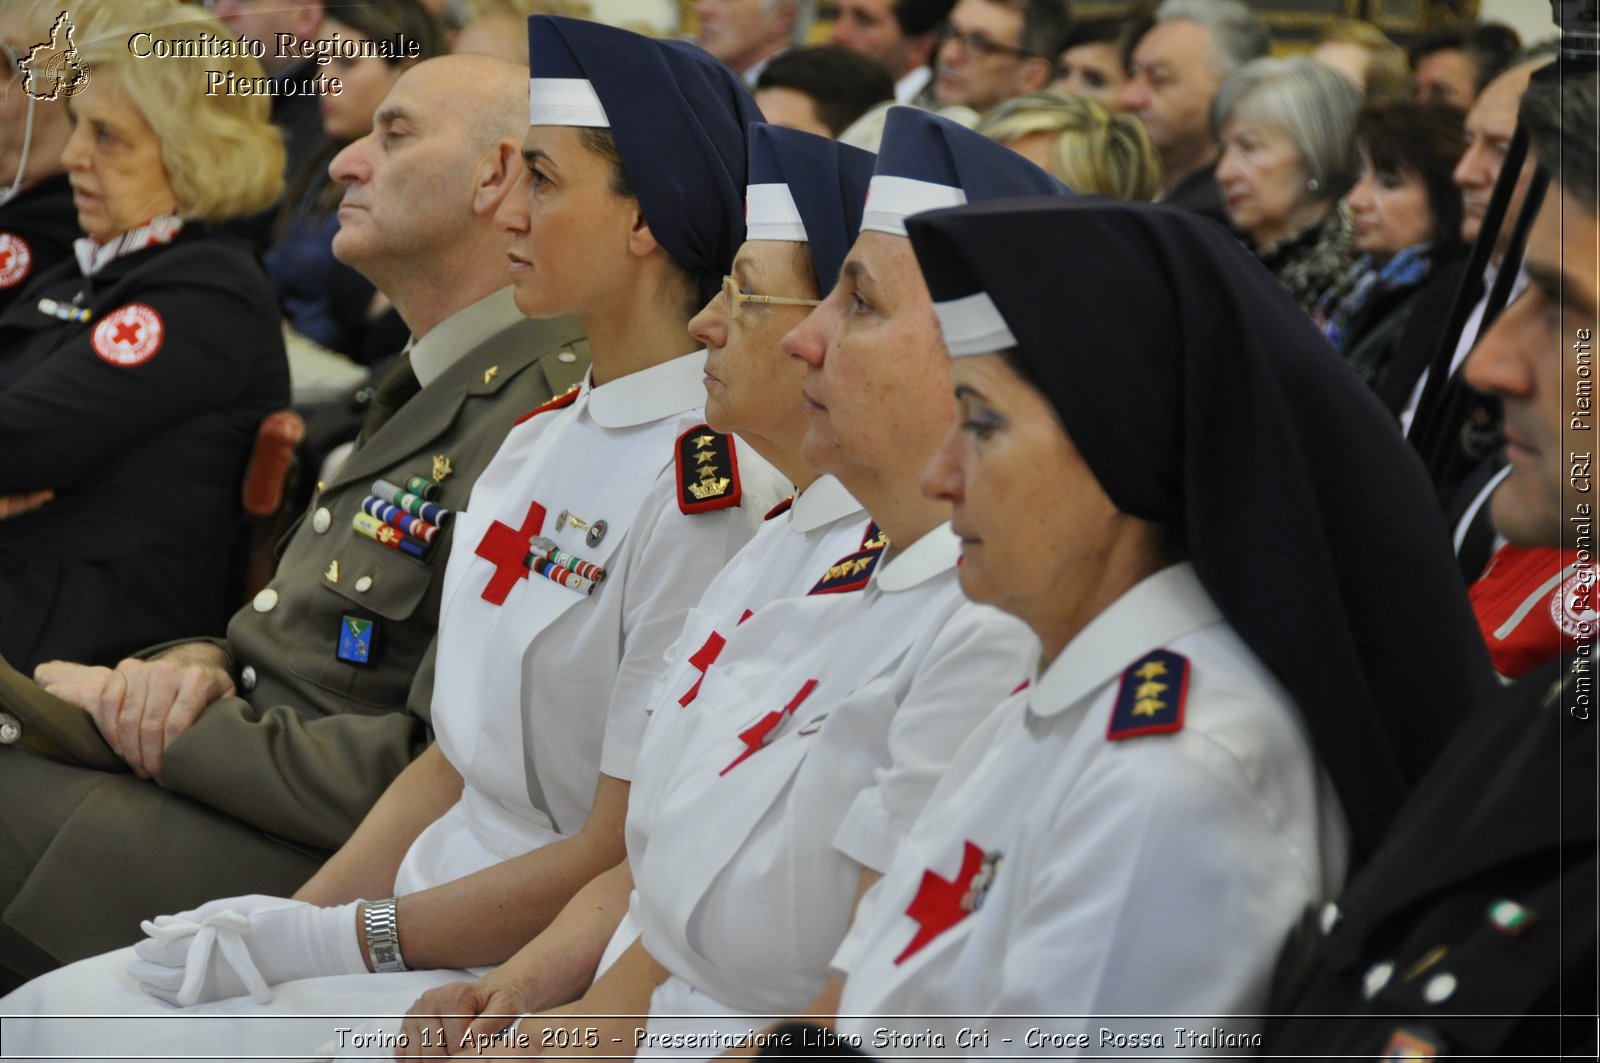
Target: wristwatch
(381, 929)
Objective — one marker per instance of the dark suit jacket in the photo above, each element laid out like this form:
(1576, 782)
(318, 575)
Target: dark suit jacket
(310, 741)
(1473, 928)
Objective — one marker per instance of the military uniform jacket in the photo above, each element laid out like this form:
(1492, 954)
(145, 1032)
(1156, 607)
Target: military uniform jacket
(37, 228)
(1473, 927)
(806, 756)
(1081, 861)
(141, 419)
(312, 740)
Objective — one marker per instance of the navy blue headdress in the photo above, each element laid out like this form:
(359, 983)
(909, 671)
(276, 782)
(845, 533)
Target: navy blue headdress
(806, 188)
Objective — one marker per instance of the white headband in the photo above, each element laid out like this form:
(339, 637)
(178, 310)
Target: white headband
(565, 101)
(890, 200)
(973, 325)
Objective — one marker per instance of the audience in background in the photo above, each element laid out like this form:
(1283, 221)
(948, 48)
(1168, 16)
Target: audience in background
(1389, 312)
(746, 34)
(821, 90)
(1360, 51)
(901, 35)
(1284, 126)
(1091, 150)
(1453, 65)
(992, 50)
(1097, 60)
(318, 301)
(499, 27)
(1178, 66)
(294, 113)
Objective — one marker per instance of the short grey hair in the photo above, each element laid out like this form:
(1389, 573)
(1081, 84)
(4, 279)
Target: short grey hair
(1237, 36)
(1314, 105)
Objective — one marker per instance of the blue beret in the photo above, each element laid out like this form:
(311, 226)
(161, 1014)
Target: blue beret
(806, 188)
(679, 119)
(926, 162)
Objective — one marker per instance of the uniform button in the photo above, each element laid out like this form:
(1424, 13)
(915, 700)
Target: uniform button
(321, 520)
(1376, 978)
(1330, 918)
(1440, 988)
(10, 729)
(247, 677)
(364, 584)
(265, 601)
(567, 357)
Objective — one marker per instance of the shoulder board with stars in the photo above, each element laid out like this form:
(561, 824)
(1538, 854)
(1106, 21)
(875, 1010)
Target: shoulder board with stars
(561, 401)
(1150, 701)
(708, 471)
(851, 572)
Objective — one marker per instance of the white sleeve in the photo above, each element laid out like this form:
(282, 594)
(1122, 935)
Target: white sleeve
(973, 663)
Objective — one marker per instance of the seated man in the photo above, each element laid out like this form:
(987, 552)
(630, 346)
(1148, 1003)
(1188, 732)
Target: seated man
(254, 756)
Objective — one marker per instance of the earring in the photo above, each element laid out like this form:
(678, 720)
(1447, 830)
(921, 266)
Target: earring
(1311, 185)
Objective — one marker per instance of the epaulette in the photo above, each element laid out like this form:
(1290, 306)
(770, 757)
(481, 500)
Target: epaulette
(560, 402)
(708, 471)
(780, 509)
(851, 573)
(1150, 701)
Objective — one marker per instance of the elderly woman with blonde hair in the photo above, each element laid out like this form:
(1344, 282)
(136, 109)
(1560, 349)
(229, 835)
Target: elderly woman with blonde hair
(133, 376)
(1092, 150)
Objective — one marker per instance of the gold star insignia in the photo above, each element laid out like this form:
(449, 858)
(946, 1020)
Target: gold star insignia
(702, 442)
(490, 373)
(1147, 707)
(1150, 690)
(702, 459)
(1151, 669)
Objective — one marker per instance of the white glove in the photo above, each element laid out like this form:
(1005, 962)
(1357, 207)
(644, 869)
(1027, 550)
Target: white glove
(244, 945)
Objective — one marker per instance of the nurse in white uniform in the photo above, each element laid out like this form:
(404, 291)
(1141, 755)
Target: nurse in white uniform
(812, 744)
(1139, 831)
(544, 663)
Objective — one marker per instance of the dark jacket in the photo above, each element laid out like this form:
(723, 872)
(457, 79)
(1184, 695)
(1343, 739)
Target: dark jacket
(37, 229)
(141, 420)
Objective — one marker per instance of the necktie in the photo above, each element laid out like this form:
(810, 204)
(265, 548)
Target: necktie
(394, 392)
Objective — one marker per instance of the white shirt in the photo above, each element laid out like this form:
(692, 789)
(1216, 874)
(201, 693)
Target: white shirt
(746, 854)
(1467, 340)
(907, 87)
(1153, 875)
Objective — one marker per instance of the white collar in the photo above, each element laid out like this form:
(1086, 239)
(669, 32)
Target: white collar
(906, 89)
(461, 332)
(1157, 610)
(93, 255)
(650, 394)
(934, 553)
(824, 502)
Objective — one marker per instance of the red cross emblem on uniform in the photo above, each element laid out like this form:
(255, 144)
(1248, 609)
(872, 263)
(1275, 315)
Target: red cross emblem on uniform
(15, 260)
(758, 734)
(704, 658)
(507, 549)
(129, 335)
(941, 903)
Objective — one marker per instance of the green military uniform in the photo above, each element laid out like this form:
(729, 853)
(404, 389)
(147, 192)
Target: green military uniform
(256, 792)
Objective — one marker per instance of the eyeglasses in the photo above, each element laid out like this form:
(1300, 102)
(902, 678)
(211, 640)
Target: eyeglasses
(737, 299)
(979, 45)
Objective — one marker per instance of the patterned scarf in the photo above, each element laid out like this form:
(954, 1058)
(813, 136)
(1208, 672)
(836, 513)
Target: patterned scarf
(93, 256)
(1343, 303)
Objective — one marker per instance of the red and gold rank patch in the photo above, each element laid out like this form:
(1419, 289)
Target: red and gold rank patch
(128, 336)
(16, 260)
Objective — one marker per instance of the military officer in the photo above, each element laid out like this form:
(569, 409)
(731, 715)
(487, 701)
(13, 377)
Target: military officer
(268, 747)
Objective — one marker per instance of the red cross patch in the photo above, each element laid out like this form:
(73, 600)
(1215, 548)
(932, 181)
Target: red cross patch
(129, 335)
(507, 549)
(16, 260)
(942, 902)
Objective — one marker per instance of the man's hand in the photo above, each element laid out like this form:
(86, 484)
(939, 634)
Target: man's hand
(450, 1018)
(17, 505)
(143, 705)
(83, 685)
